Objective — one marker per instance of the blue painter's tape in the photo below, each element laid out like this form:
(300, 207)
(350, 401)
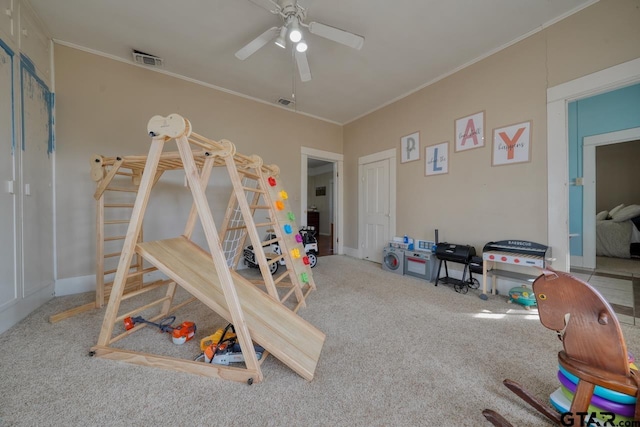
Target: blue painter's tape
(27, 66)
(52, 134)
(6, 48)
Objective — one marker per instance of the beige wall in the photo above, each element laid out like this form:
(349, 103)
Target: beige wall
(102, 106)
(475, 203)
(617, 177)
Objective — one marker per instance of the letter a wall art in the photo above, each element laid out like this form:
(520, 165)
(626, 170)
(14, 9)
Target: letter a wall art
(469, 132)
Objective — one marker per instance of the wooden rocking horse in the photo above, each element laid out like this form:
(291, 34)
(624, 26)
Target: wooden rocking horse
(594, 348)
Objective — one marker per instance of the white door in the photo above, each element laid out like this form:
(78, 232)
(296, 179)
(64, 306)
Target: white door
(37, 176)
(377, 209)
(8, 283)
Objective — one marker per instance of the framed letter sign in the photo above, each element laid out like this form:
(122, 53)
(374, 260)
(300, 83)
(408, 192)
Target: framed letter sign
(437, 159)
(470, 132)
(410, 147)
(512, 144)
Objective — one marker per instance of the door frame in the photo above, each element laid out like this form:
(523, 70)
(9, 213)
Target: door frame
(338, 196)
(371, 158)
(558, 98)
(588, 259)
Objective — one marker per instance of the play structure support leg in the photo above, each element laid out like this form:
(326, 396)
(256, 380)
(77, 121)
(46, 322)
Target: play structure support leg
(128, 249)
(206, 219)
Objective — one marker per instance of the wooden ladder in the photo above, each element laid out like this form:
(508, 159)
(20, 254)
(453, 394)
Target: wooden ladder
(257, 194)
(113, 176)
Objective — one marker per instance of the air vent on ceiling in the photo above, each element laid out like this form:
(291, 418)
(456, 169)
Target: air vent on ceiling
(286, 102)
(147, 59)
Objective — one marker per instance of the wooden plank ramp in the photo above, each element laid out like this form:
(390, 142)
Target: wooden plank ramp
(284, 334)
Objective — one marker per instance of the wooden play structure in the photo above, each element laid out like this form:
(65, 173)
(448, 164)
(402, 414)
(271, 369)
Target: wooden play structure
(594, 349)
(256, 308)
(117, 182)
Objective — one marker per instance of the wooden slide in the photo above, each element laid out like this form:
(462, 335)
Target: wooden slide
(291, 339)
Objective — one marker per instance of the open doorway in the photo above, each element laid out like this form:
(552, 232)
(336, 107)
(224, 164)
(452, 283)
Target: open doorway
(320, 206)
(610, 170)
(561, 178)
(558, 183)
(321, 198)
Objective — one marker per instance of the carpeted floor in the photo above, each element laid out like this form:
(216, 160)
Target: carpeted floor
(399, 351)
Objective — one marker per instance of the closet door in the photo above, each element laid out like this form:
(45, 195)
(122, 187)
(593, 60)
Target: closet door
(36, 157)
(37, 180)
(8, 279)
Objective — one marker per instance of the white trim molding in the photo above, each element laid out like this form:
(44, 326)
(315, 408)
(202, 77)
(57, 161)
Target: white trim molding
(558, 98)
(589, 188)
(338, 195)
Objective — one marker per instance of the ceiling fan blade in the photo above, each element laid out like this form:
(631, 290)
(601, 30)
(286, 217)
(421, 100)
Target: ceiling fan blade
(337, 35)
(253, 46)
(303, 66)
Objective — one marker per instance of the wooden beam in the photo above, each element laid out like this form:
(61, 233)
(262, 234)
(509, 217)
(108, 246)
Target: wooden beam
(128, 249)
(180, 365)
(206, 219)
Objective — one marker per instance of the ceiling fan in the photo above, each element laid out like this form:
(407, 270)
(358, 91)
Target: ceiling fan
(293, 16)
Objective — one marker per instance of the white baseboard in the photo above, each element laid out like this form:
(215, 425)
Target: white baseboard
(581, 261)
(576, 261)
(352, 252)
(75, 285)
(22, 308)
(80, 284)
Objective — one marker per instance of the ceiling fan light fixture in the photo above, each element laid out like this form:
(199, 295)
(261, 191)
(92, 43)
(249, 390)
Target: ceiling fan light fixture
(295, 35)
(282, 38)
(301, 46)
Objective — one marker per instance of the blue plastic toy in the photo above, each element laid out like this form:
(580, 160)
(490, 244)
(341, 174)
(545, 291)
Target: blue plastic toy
(523, 296)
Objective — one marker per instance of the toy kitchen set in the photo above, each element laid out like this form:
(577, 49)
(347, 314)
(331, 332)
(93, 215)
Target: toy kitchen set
(405, 256)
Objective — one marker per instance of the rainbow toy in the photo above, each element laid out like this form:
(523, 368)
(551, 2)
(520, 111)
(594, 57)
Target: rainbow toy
(603, 401)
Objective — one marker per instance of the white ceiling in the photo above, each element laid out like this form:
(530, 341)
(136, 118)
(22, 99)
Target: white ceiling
(408, 43)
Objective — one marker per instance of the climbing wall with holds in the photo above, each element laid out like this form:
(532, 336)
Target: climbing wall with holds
(300, 270)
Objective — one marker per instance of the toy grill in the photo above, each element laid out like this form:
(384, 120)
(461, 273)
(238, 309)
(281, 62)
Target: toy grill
(461, 254)
(454, 253)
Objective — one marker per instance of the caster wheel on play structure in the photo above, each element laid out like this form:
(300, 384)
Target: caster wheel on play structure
(92, 353)
(474, 283)
(250, 381)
